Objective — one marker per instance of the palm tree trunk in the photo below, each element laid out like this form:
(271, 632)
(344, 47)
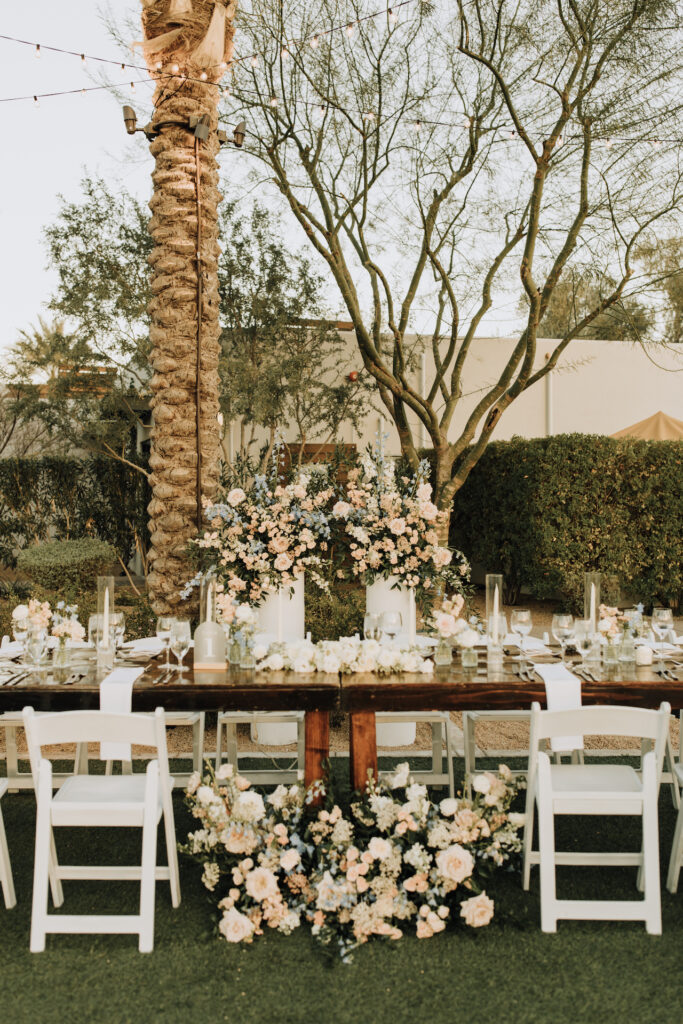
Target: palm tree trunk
(184, 332)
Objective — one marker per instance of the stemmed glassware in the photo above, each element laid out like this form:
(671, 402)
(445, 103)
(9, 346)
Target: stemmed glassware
(118, 623)
(584, 638)
(371, 626)
(181, 636)
(520, 624)
(20, 631)
(662, 622)
(391, 623)
(164, 627)
(563, 630)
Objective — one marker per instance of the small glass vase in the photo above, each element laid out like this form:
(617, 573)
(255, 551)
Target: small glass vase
(36, 646)
(611, 653)
(247, 659)
(61, 659)
(627, 654)
(468, 657)
(235, 652)
(443, 653)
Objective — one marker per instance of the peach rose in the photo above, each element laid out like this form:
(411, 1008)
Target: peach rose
(261, 884)
(477, 911)
(235, 927)
(455, 863)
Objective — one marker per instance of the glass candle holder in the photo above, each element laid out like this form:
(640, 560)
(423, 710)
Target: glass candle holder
(105, 610)
(591, 598)
(468, 657)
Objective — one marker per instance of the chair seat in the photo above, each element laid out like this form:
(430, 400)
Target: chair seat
(107, 799)
(585, 779)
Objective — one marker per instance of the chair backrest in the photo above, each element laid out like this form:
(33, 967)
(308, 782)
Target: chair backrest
(600, 720)
(51, 729)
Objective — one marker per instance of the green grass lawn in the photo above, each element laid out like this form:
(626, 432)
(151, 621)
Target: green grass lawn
(509, 972)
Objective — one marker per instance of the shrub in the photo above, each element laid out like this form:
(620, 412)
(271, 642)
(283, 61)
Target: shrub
(339, 613)
(67, 566)
(544, 511)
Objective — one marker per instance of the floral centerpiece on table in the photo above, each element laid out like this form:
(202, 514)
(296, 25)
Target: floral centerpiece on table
(611, 623)
(392, 528)
(348, 654)
(396, 862)
(34, 615)
(264, 537)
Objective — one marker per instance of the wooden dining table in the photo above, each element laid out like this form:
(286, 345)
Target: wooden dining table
(360, 695)
(455, 689)
(232, 689)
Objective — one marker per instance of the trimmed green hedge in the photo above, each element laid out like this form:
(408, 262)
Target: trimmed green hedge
(55, 498)
(544, 511)
(68, 566)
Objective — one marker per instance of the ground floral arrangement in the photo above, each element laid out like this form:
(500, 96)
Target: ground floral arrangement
(395, 863)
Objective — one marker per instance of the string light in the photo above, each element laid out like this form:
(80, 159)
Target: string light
(254, 61)
(393, 16)
(368, 115)
(36, 101)
(175, 69)
(273, 101)
(656, 143)
(314, 40)
(417, 125)
(223, 65)
(82, 58)
(285, 53)
(159, 65)
(203, 76)
(608, 143)
(37, 51)
(350, 28)
(123, 67)
(132, 86)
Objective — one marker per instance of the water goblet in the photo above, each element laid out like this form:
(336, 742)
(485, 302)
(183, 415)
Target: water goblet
(391, 623)
(662, 622)
(164, 627)
(118, 622)
(520, 624)
(371, 626)
(181, 636)
(584, 638)
(563, 630)
(20, 631)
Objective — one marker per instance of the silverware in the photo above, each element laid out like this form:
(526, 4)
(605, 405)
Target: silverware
(13, 680)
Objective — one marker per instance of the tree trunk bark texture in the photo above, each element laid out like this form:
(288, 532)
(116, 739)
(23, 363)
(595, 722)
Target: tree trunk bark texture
(184, 262)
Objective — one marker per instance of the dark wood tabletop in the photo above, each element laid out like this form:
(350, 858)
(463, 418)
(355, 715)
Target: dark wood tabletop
(234, 689)
(453, 689)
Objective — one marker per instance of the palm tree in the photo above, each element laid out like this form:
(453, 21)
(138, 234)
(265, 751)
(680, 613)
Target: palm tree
(188, 47)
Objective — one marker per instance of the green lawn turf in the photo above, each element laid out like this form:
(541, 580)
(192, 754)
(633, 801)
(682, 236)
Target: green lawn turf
(509, 972)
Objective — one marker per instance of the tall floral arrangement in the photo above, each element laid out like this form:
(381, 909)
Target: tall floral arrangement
(265, 536)
(395, 863)
(392, 529)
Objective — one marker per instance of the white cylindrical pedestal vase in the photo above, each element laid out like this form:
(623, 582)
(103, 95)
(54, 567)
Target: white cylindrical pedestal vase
(282, 616)
(381, 596)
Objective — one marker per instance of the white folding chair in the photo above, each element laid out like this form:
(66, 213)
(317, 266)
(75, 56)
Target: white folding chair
(676, 861)
(196, 720)
(596, 789)
(137, 801)
(228, 721)
(6, 879)
(440, 725)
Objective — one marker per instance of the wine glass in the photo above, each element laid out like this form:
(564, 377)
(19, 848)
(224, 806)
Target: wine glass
(164, 627)
(371, 627)
(520, 623)
(118, 622)
(20, 631)
(563, 630)
(584, 638)
(662, 622)
(391, 623)
(180, 640)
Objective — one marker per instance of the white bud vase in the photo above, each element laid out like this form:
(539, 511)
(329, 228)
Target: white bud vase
(381, 596)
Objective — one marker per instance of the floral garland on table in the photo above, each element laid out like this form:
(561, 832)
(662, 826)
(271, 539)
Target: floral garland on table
(263, 538)
(348, 654)
(395, 861)
(392, 527)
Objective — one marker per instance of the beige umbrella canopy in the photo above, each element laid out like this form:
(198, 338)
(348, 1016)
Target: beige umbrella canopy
(659, 427)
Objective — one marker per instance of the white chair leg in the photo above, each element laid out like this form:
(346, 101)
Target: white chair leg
(42, 861)
(198, 743)
(449, 759)
(127, 767)
(6, 879)
(231, 744)
(546, 847)
(528, 838)
(172, 852)
(469, 743)
(219, 742)
(55, 882)
(300, 748)
(669, 767)
(81, 759)
(12, 755)
(653, 901)
(108, 765)
(148, 867)
(676, 855)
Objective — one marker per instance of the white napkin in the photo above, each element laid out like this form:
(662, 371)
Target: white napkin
(532, 645)
(116, 695)
(12, 649)
(563, 693)
(145, 645)
(655, 645)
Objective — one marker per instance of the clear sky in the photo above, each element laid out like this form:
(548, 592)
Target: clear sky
(48, 149)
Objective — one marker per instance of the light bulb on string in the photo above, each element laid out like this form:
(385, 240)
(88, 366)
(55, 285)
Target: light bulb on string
(223, 65)
(37, 51)
(285, 53)
(656, 143)
(82, 58)
(36, 101)
(560, 140)
(350, 29)
(273, 101)
(512, 134)
(175, 69)
(203, 76)
(608, 143)
(254, 61)
(467, 123)
(393, 16)
(417, 125)
(159, 65)
(83, 93)
(123, 67)
(314, 41)
(132, 86)
(368, 115)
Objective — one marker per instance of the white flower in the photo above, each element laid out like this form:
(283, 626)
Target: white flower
(249, 806)
(245, 615)
(379, 848)
(481, 784)
(205, 795)
(477, 911)
(20, 612)
(210, 875)
(448, 806)
(517, 820)
(398, 526)
(235, 927)
(226, 771)
(193, 783)
(445, 624)
(302, 666)
(260, 651)
(261, 884)
(455, 863)
(341, 509)
(278, 797)
(416, 792)
(400, 777)
(236, 496)
(387, 657)
(468, 637)
(274, 662)
(330, 663)
(289, 859)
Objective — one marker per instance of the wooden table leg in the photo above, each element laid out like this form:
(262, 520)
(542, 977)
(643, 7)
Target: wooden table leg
(362, 748)
(317, 730)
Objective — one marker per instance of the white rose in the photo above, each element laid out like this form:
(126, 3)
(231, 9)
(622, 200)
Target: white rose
(260, 651)
(341, 509)
(193, 783)
(235, 927)
(416, 792)
(330, 663)
(468, 637)
(400, 777)
(302, 666)
(261, 884)
(236, 497)
(205, 795)
(379, 849)
(455, 863)
(289, 859)
(226, 771)
(387, 658)
(249, 806)
(274, 662)
(517, 820)
(20, 612)
(481, 784)
(426, 667)
(448, 806)
(477, 911)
